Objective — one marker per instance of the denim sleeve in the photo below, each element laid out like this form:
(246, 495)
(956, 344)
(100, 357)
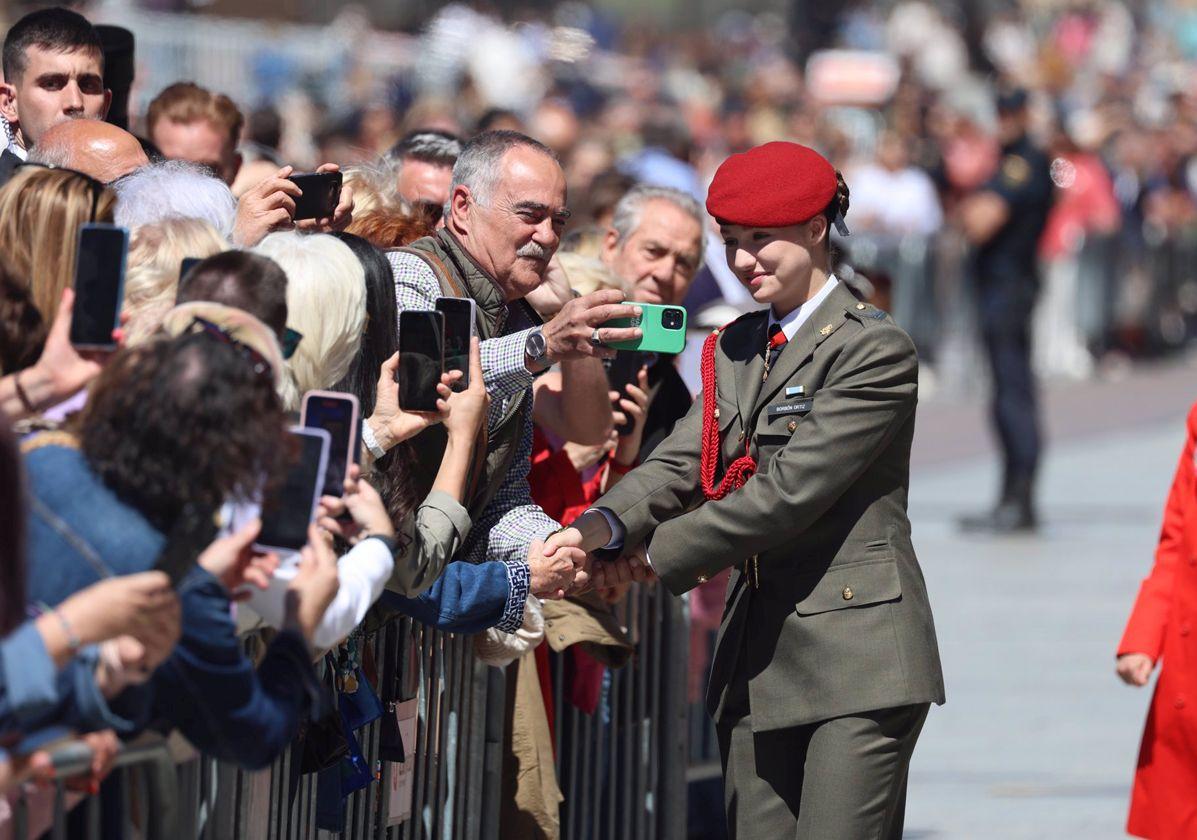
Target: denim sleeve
(467, 598)
(34, 695)
(209, 689)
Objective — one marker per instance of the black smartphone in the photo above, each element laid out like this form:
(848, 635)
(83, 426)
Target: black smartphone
(321, 194)
(623, 370)
(421, 358)
(99, 285)
(337, 414)
(290, 509)
(459, 329)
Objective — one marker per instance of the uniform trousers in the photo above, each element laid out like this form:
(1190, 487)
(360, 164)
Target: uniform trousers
(838, 779)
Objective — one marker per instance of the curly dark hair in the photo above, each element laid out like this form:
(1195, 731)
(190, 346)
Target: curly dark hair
(183, 423)
(392, 472)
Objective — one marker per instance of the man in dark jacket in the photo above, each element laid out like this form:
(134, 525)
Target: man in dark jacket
(53, 71)
(654, 245)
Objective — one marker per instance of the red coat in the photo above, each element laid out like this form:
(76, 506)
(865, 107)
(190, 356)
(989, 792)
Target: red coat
(1164, 801)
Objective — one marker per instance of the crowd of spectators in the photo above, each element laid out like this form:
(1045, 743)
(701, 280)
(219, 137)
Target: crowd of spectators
(456, 183)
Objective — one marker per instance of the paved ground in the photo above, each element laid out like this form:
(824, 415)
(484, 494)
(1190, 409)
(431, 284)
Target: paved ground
(1038, 738)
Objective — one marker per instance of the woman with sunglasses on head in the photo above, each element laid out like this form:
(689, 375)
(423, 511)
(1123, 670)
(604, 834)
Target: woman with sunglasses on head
(172, 429)
(792, 470)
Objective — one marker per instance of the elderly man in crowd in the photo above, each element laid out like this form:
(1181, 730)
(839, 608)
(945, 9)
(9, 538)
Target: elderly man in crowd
(423, 161)
(654, 245)
(507, 210)
(53, 71)
(94, 147)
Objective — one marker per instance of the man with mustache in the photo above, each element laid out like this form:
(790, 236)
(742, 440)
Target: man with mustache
(505, 217)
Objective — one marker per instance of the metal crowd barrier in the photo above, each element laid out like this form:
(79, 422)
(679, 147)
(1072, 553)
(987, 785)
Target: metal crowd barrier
(622, 769)
(622, 773)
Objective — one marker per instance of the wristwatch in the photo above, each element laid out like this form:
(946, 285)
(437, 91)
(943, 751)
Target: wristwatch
(536, 350)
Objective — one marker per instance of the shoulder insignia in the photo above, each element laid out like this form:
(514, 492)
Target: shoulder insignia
(1015, 170)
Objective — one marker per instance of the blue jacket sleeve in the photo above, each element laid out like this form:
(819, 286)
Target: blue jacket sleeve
(209, 689)
(34, 695)
(466, 598)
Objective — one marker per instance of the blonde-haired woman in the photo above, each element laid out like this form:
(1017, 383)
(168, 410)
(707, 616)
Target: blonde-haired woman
(326, 304)
(41, 211)
(156, 254)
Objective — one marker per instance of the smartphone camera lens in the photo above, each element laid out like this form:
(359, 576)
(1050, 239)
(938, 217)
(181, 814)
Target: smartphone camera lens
(671, 319)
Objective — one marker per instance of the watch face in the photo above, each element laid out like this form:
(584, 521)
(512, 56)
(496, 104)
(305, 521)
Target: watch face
(535, 345)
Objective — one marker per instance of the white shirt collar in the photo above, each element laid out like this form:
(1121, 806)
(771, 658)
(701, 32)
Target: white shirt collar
(792, 322)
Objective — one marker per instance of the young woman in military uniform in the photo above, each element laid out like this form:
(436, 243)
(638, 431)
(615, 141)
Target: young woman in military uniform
(793, 469)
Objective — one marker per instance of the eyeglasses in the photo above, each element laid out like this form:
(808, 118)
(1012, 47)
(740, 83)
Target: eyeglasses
(256, 360)
(97, 186)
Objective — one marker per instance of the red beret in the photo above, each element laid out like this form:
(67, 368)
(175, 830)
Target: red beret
(773, 185)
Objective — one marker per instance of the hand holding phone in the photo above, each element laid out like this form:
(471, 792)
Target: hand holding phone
(321, 194)
(421, 359)
(663, 329)
(99, 285)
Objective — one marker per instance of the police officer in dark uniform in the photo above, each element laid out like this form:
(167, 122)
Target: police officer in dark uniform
(1003, 221)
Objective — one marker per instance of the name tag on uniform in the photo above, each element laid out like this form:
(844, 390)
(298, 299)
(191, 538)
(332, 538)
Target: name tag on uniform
(797, 407)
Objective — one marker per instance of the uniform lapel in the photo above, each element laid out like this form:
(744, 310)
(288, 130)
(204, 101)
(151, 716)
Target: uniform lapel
(822, 323)
(751, 355)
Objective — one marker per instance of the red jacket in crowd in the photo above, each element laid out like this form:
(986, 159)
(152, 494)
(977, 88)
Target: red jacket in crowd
(1164, 624)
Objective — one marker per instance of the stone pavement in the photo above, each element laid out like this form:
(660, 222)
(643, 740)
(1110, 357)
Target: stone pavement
(1039, 738)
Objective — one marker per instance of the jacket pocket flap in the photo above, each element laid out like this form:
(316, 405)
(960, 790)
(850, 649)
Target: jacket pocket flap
(853, 585)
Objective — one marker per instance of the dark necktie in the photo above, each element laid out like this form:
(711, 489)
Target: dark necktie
(777, 343)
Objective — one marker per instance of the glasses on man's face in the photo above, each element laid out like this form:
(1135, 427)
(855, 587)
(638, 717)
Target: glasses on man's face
(97, 187)
(256, 360)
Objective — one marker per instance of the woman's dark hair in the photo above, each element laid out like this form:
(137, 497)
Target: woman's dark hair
(838, 206)
(248, 281)
(12, 525)
(22, 330)
(392, 472)
(181, 422)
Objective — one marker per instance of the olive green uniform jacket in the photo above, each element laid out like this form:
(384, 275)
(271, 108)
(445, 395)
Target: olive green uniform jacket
(840, 622)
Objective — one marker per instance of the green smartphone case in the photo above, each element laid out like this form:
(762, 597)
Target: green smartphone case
(656, 337)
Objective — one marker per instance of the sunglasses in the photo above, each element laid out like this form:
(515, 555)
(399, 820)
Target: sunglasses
(97, 187)
(256, 360)
(291, 339)
(429, 210)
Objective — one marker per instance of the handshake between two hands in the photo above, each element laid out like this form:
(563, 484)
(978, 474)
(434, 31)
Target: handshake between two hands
(561, 566)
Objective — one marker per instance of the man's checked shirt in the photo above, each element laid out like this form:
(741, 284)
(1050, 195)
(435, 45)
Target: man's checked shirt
(512, 520)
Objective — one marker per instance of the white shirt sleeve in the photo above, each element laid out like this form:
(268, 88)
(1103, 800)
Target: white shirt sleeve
(362, 571)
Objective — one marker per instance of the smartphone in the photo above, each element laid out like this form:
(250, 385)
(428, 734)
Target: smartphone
(289, 510)
(622, 371)
(99, 285)
(321, 194)
(421, 358)
(663, 328)
(338, 414)
(459, 329)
